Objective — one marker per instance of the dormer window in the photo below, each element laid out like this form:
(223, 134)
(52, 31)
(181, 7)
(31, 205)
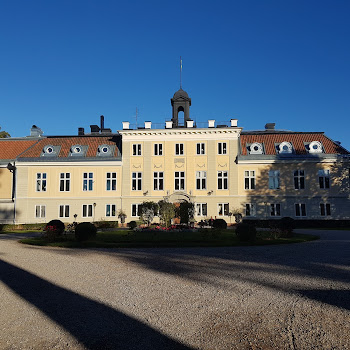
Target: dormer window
(78, 150)
(315, 147)
(285, 148)
(104, 150)
(256, 148)
(50, 150)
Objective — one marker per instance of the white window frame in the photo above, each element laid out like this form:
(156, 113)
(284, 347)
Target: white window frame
(223, 209)
(65, 182)
(111, 181)
(179, 149)
(275, 209)
(324, 179)
(41, 182)
(158, 180)
(300, 210)
(40, 211)
(64, 210)
(274, 180)
(201, 180)
(201, 209)
(325, 209)
(136, 181)
(136, 149)
(200, 148)
(158, 149)
(88, 181)
(135, 207)
(299, 179)
(222, 148)
(88, 208)
(179, 181)
(222, 180)
(111, 210)
(249, 179)
(250, 209)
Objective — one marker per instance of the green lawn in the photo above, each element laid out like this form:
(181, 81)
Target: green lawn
(126, 239)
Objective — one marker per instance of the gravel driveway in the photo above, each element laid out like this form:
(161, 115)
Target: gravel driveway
(293, 296)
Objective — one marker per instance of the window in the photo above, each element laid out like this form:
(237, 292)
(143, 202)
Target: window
(300, 209)
(64, 211)
(299, 179)
(274, 179)
(136, 149)
(275, 209)
(158, 149)
(222, 180)
(135, 209)
(250, 209)
(41, 182)
(201, 180)
(111, 181)
(64, 182)
(223, 209)
(111, 210)
(200, 148)
(88, 180)
(87, 210)
(201, 209)
(158, 181)
(249, 180)
(40, 211)
(179, 149)
(325, 209)
(323, 178)
(179, 180)
(137, 181)
(222, 148)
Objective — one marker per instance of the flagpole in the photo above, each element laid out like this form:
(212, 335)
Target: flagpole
(180, 73)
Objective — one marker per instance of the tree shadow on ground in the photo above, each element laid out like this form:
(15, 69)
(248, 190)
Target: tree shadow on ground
(93, 324)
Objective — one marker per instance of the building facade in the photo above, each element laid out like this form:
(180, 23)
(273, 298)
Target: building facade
(222, 169)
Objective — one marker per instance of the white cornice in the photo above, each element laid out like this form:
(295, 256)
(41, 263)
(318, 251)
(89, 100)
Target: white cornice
(279, 161)
(180, 134)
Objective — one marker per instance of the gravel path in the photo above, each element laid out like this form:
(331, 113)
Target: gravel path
(276, 297)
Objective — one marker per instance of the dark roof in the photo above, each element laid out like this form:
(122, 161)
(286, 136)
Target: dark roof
(180, 94)
(65, 143)
(298, 139)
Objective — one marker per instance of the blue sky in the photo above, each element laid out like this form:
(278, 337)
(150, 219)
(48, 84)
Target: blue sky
(64, 63)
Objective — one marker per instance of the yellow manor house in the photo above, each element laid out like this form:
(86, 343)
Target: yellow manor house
(223, 170)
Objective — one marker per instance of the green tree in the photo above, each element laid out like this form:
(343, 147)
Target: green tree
(148, 210)
(186, 212)
(166, 212)
(4, 134)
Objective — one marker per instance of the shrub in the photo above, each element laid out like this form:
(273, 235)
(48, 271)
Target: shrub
(220, 223)
(105, 224)
(132, 224)
(85, 231)
(53, 229)
(246, 232)
(287, 225)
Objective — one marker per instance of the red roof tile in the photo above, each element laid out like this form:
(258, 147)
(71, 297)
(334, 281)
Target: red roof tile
(93, 142)
(12, 148)
(296, 139)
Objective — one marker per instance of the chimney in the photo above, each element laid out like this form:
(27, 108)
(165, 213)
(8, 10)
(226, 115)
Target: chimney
(94, 129)
(81, 131)
(270, 126)
(126, 125)
(102, 119)
(35, 131)
(211, 123)
(234, 122)
(148, 125)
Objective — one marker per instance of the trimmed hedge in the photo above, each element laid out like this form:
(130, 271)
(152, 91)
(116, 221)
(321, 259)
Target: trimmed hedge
(245, 232)
(220, 223)
(85, 231)
(302, 223)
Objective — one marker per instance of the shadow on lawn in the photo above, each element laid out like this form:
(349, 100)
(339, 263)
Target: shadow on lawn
(93, 324)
